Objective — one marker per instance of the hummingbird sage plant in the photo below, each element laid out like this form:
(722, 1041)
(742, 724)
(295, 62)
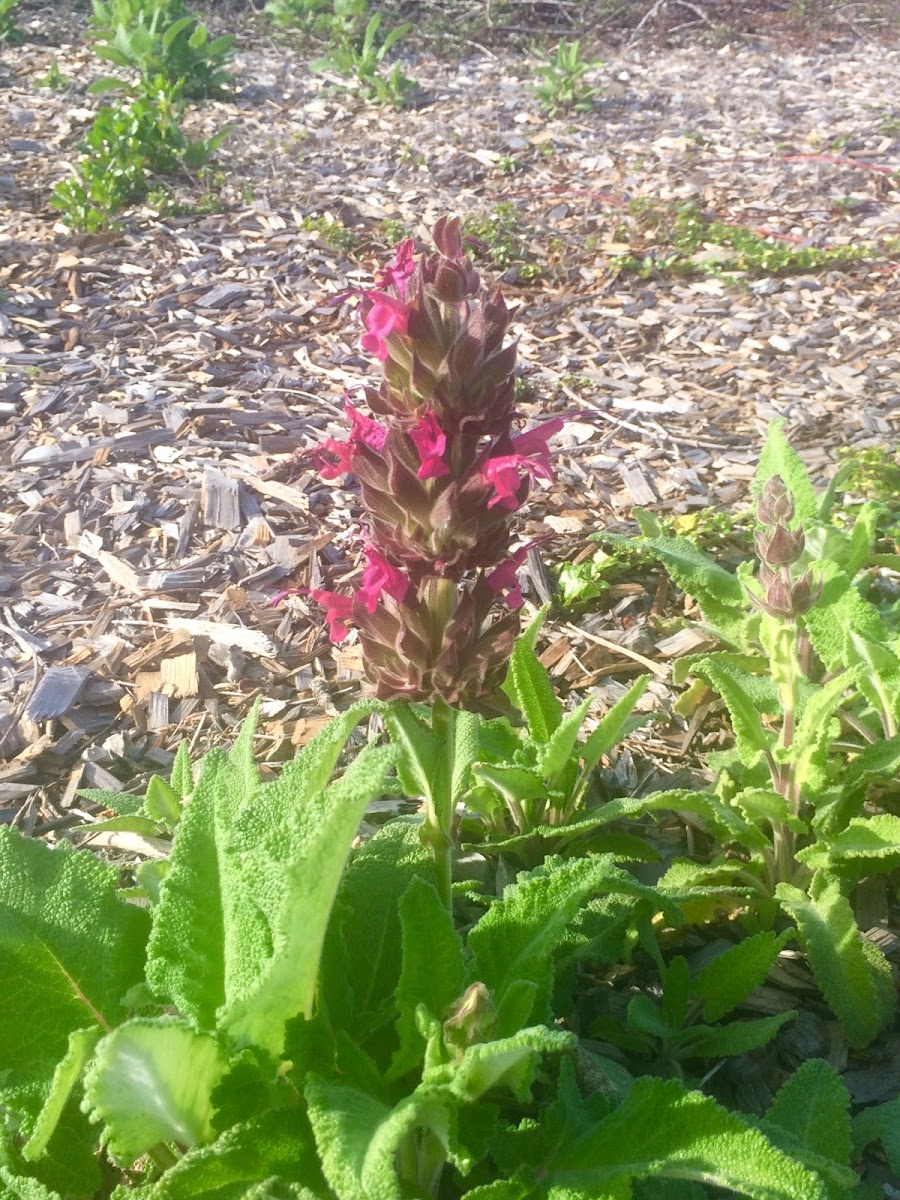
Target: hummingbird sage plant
(442, 471)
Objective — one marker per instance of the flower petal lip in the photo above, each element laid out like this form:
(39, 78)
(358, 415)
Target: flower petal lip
(431, 443)
(338, 609)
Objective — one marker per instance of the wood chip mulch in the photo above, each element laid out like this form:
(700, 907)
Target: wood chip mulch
(163, 387)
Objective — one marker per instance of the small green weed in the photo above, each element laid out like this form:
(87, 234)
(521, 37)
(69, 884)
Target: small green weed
(329, 18)
(161, 38)
(503, 239)
(363, 63)
(54, 79)
(9, 30)
(683, 239)
(873, 473)
(392, 231)
(331, 231)
(562, 87)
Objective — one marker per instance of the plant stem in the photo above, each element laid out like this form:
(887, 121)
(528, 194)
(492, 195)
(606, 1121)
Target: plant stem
(440, 816)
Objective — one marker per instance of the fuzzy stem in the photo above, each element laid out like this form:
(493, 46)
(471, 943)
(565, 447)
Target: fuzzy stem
(441, 809)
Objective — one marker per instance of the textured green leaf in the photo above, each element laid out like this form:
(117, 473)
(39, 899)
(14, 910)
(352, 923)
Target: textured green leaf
(358, 1136)
(237, 934)
(66, 1075)
(510, 1061)
(433, 971)
(724, 1041)
(274, 1147)
(367, 920)
(609, 729)
(22, 1187)
(839, 613)
(186, 952)
(528, 685)
(292, 856)
(69, 950)
(182, 777)
(735, 688)
(814, 1106)
(880, 677)
(69, 1163)
(663, 1131)
(151, 1081)
(778, 457)
(868, 846)
(730, 977)
(676, 983)
(881, 1123)
(557, 752)
(881, 760)
(518, 935)
(839, 960)
(420, 749)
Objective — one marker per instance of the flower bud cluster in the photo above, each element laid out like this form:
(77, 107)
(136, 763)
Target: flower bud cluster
(779, 547)
(441, 472)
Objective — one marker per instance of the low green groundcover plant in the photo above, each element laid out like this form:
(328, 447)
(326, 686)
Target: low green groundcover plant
(161, 39)
(279, 1009)
(130, 147)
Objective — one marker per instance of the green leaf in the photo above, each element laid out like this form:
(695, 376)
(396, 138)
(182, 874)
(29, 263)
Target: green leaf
(557, 752)
(69, 950)
(868, 846)
(753, 740)
(367, 921)
(779, 458)
(684, 1135)
(358, 1136)
(676, 991)
(20, 1187)
(881, 760)
(814, 1107)
(837, 615)
(724, 1041)
(528, 685)
(186, 951)
(66, 1075)
(273, 1147)
(433, 972)
(720, 595)
(881, 1123)
(163, 803)
(510, 1061)
(517, 936)
(420, 749)
(838, 958)
(151, 1081)
(609, 729)
(729, 978)
(299, 856)
(182, 777)
(238, 931)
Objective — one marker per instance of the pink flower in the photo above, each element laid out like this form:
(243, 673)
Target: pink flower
(431, 443)
(401, 268)
(341, 451)
(364, 429)
(532, 455)
(505, 579)
(386, 315)
(380, 576)
(338, 609)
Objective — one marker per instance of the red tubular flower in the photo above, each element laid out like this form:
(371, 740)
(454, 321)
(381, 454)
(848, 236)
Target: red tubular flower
(379, 576)
(386, 315)
(431, 442)
(531, 455)
(440, 472)
(338, 609)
